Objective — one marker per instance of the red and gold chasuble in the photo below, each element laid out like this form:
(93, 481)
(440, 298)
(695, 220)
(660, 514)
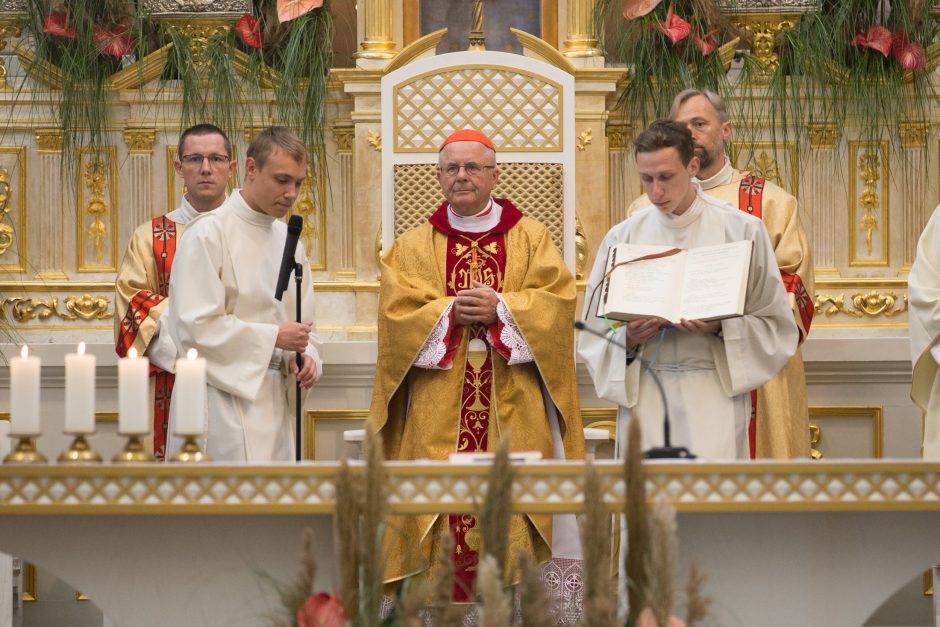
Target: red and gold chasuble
(750, 196)
(472, 257)
(164, 250)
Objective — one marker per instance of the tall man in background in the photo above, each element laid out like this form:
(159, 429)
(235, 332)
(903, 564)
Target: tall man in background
(204, 162)
(779, 425)
(475, 344)
(224, 307)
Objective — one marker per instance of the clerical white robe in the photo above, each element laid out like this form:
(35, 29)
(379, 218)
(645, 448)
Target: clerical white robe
(707, 377)
(923, 290)
(223, 306)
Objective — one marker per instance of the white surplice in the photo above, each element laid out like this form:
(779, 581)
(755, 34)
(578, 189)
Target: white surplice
(223, 306)
(707, 377)
(923, 290)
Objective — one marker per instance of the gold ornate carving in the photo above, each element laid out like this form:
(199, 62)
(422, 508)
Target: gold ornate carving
(309, 207)
(430, 106)
(580, 249)
(763, 34)
(378, 247)
(6, 231)
(344, 136)
(584, 140)
(619, 136)
(87, 307)
(868, 163)
(765, 166)
(9, 28)
(477, 37)
(815, 437)
(96, 180)
(375, 140)
(140, 140)
(871, 305)
(49, 139)
(580, 40)
(823, 135)
(200, 31)
(914, 134)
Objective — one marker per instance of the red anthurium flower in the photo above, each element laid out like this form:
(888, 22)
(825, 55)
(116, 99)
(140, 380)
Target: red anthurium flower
(675, 28)
(877, 38)
(250, 30)
(911, 55)
(57, 24)
(706, 44)
(633, 9)
(321, 610)
(113, 40)
(290, 9)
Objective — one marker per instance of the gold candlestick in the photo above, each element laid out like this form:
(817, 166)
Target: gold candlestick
(79, 452)
(25, 452)
(134, 452)
(191, 453)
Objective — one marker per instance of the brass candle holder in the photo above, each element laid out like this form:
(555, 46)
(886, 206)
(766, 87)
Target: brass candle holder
(25, 452)
(80, 452)
(134, 452)
(191, 453)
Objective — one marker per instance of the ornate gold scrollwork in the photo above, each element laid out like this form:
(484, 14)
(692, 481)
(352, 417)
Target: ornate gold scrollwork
(6, 231)
(8, 28)
(580, 249)
(619, 136)
(868, 164)
(49, 139)
(815, 437)
(200, 32)
(914, 134)
(140, 140)
(584, 139)
(765, 166)
(306, 208)
(871, 304)
(823, 135)
(85, 307)
(96, 179)
(344, 136)
(763, 34)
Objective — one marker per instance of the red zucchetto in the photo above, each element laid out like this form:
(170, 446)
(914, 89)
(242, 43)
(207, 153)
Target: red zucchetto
(468, 135)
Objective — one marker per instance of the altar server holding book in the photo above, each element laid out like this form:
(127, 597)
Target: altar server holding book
(707, 367)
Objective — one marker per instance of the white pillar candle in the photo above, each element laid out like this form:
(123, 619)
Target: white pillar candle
(24, 394)
(134, 394)
(80, 392)
(189, 394)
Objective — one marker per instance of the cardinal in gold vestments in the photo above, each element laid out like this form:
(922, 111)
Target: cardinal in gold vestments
(475, 344)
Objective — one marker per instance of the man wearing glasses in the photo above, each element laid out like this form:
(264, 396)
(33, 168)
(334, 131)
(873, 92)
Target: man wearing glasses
(204, 163)
(474, 345)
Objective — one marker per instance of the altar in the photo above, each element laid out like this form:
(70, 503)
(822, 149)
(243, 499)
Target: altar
(781, 544)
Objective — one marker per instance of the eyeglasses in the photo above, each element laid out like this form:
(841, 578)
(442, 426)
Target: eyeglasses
(472, 169)
(215, 161)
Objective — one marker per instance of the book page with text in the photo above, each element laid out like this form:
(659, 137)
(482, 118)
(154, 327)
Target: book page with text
(643, 288)
(715, 282)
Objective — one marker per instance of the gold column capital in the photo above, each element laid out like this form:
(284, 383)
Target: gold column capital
(764, 33)
(344, 137)
(49, 140)
(140, 140)
(823, 135)
(914, 134)
(619, 136)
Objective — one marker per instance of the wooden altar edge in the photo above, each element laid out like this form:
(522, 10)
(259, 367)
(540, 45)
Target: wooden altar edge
(215, 489)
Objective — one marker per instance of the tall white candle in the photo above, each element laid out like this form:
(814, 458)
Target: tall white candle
(189, 394)
(80, 392)
(134, 394)
(24, 394)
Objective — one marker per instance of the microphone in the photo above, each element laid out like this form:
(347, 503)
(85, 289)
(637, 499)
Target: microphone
(667, 450)
(294, 226)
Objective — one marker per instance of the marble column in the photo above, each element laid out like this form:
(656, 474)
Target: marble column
(140, 180)
(915, 208)
(819, 211)
(51, 208)
(622, 190)
(343, 202)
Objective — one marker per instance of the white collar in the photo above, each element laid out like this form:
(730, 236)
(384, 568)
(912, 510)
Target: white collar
(690, 215)
(721, 177)
(478, 223)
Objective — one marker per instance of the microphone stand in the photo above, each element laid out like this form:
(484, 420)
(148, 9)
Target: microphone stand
(298, 453)
(667, 450)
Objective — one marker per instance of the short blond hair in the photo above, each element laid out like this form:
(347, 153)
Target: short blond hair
(714, 99)
(276, 137)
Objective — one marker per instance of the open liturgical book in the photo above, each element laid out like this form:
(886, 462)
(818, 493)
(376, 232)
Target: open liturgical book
(707, 283)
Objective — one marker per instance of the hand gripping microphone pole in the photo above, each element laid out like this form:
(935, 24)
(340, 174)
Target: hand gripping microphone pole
(294, 226)
(667, 450)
